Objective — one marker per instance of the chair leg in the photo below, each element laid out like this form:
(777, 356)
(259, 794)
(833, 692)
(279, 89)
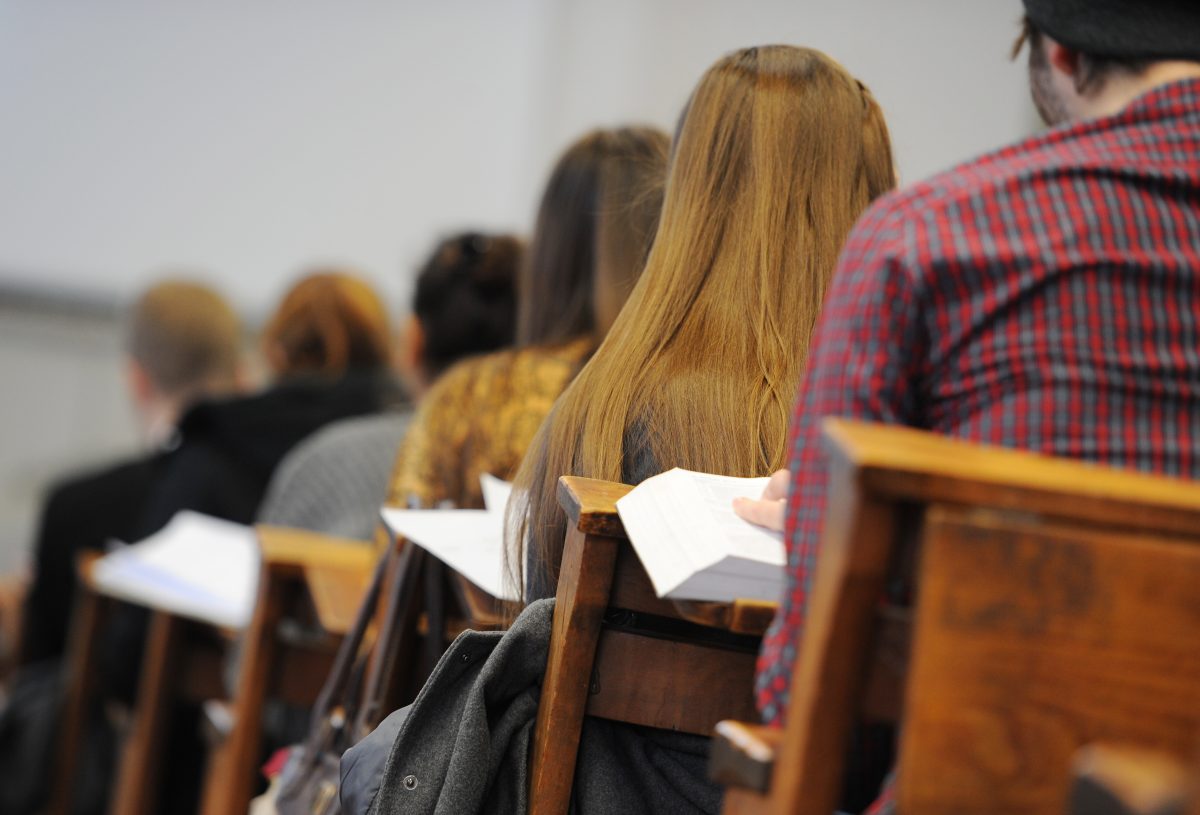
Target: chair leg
(91, 611)
(141, 761)
(583, 589)
(233, 767)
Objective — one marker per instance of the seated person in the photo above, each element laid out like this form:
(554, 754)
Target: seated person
(1065, 304)
(183, 345)
(328, 350)
(582, 261)
(465, 304)
(698, 371)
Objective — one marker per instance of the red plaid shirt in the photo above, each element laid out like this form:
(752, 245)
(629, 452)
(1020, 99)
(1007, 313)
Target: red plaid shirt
(1046, 296)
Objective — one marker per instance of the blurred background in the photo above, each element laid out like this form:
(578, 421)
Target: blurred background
(243, 142)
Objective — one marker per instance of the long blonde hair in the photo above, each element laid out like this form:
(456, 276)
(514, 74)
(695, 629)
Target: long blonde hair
(778, 152)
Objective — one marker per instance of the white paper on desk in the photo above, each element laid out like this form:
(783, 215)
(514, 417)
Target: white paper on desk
(469, 541)
(196, 566)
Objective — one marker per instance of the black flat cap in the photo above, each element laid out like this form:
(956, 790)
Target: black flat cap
(1131, 29)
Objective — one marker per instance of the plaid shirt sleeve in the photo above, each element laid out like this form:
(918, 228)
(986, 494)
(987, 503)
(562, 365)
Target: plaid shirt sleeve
(866, 362)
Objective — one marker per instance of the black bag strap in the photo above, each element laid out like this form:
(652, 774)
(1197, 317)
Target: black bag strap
(400, 616)
(345, 665)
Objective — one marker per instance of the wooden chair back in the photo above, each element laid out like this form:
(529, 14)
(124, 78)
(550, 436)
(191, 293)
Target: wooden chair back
(619, 652)
(1054, 606)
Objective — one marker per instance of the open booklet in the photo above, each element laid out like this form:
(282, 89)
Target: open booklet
(195, 566)
(470, 541)
(693, 546)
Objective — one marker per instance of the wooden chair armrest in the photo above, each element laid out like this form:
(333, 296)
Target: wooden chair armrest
(912, 464)
(301, 548)
(1120, 780)
(743, 755)
(750, 617)
(592, 505)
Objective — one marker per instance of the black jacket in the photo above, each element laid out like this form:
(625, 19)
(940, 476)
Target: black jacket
(80, 513)
(228, 449)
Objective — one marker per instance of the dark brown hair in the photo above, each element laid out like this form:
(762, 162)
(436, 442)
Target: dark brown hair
(466, 298)
(779, 152)
(595, 222)
(328, 323)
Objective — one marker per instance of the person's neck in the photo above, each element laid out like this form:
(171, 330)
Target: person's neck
(1121, 90)
(160, 419)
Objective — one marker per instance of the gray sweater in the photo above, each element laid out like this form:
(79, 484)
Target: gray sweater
(336, 480)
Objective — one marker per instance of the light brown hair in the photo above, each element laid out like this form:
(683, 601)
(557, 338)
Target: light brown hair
(328, 323)
(594, 225)
(185, 336)
(777, 154)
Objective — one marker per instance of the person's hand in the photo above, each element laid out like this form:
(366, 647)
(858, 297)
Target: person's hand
(768, 510)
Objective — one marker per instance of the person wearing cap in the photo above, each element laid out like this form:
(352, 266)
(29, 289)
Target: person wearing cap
(1045, 296)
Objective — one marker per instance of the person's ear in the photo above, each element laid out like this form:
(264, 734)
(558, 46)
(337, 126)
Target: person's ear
(141, 388)
(1062, 59)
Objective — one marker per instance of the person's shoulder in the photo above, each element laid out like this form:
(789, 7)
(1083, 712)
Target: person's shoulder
(898, 222)
(340, 438)
(98, 481)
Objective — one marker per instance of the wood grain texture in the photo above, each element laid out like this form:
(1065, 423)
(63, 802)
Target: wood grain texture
(591, 505)
(1034, 639)
(668, 684)
(831, 667)
(584, 583)
(908, 464)
(881, 476)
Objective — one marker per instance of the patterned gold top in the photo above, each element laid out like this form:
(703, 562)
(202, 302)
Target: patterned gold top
(480, 417)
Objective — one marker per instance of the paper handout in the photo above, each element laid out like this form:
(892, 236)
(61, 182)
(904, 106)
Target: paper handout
(692, 545)
(196, 566)
(469, 541)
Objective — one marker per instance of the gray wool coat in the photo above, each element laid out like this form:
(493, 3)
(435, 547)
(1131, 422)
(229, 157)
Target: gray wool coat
(464, 745)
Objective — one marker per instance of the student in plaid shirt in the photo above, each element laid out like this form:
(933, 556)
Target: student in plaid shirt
(1045, 296)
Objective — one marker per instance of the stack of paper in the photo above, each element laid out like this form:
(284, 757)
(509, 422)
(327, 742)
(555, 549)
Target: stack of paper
(196, 566)
(694, 547)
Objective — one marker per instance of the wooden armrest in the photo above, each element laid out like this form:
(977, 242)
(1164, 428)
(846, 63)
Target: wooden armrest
(1120, 780)
(592, 505)
(743, 755)
(750, 617)
(282, 545)
(921, 466)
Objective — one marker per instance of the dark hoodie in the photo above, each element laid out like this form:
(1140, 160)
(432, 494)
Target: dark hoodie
(228, 449)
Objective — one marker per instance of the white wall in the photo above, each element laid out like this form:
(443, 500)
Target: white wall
(251, 139)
